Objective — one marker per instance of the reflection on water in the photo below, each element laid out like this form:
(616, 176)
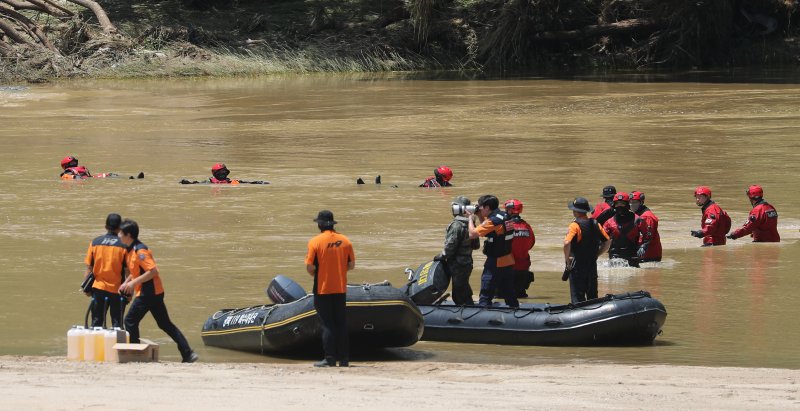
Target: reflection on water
(542, 141)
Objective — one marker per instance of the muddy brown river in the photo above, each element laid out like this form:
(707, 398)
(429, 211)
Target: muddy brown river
(542, 141)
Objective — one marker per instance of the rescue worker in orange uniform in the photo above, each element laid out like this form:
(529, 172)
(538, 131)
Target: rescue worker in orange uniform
(624, 231)
(604, 210)
(441, 178)
(762, 223)
(714, 223)
(145, 280)
(585, 242)
(72, 170)
(650, 242)
(498, 269)
(105, 259)
(330, 256)
(521, 245)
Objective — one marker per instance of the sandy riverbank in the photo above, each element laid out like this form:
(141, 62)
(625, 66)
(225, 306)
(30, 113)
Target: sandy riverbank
(32, 383)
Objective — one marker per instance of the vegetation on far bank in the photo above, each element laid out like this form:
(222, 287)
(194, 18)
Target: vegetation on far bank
(42, 39)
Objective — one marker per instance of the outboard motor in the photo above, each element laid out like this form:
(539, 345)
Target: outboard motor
(428, 282)
(282, 290)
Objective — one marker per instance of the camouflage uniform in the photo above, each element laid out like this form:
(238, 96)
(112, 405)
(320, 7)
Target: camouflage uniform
(457, 256)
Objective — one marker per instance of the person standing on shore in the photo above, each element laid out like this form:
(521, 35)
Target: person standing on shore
(457, 252)
(762, 223)
(330, 256)
(105, 259)
(714, 223)
(650, 244)
(144, 279)
(585, 242)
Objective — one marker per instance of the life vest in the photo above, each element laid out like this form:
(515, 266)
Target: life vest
(499, 244)
(624, 236)
(602, 212)
(214, 180)
(586, 249)
(464, 244)
(432, 182)
(524, 240)
(75, 172)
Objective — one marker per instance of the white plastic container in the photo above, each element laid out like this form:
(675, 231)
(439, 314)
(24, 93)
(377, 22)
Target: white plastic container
(75, 341)
(98, 335)
(88, 345)
(111, 337)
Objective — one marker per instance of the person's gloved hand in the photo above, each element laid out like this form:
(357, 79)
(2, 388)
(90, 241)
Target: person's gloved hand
(697, 233)
(439, 257)
(730, 236)
(640, 252)
(185, 181)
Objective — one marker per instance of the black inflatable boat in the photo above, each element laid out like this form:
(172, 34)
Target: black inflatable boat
(378, 316)
(624, 319)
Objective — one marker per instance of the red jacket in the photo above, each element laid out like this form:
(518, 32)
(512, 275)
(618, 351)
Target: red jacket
(648, 225)
(432, 182)
(714, 224)
(762, 223)
(522, 243)
(601, 208)
(624, 236)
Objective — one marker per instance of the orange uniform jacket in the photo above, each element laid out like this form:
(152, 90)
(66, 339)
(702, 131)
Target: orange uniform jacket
(140, 261)
(106, 256)
(487, 227)
(330, 252)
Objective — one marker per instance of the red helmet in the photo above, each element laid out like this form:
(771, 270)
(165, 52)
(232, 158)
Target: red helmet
(702, 190)
(622, 197)
(637, 195)
(219, 171)
(513, 206)
(445, 172)
(755, 191)
(69, 161)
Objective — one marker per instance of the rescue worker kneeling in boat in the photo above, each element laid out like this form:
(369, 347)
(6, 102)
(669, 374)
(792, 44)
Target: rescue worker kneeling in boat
(219, 175)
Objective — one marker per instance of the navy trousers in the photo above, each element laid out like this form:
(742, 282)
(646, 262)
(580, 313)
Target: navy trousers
(497, 278)
(155, 305)
(331, 309)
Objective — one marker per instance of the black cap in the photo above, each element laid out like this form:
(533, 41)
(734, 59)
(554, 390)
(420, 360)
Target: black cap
(113, 221)
(580, 205)
(609, 191)
(325, 216)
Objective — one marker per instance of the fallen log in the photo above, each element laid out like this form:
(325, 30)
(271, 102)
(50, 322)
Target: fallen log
(596, 30)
